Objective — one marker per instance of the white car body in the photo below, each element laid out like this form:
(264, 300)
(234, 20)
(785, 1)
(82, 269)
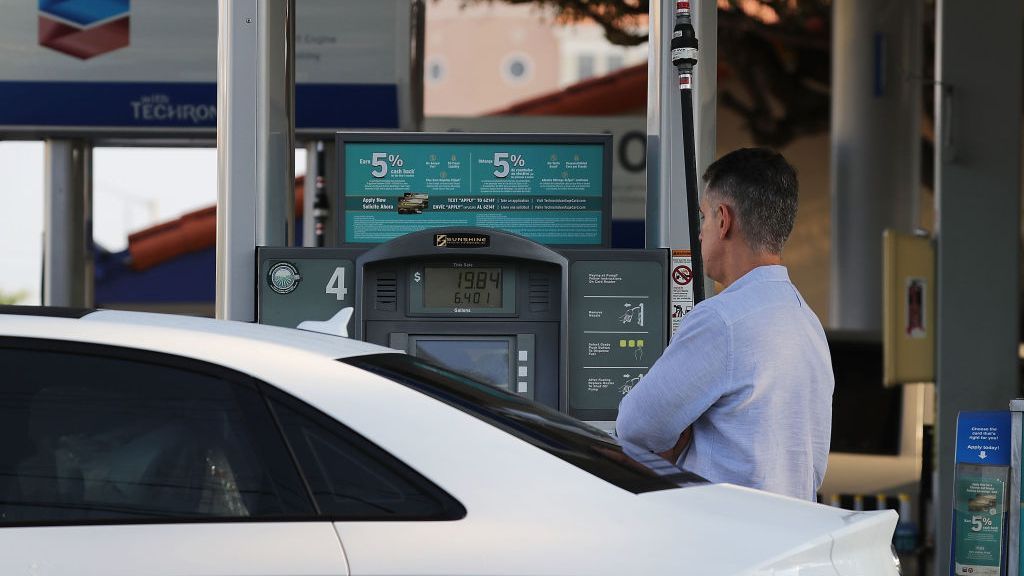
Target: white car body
(528, 512)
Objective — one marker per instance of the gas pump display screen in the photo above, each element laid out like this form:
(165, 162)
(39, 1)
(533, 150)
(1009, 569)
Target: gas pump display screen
(483, 359)
(471, 287)
(554, 189)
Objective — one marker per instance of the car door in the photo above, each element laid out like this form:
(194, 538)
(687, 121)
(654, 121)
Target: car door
(115, 461)
(362, 487)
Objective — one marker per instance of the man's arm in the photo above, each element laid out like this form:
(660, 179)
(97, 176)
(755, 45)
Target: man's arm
(688, 379)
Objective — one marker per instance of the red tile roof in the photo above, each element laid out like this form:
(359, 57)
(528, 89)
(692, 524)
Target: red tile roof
(191, 232)
(623, 91)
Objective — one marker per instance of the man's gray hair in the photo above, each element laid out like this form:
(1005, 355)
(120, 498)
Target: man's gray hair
(762, 187)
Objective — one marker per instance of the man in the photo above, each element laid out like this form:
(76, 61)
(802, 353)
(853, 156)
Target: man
(743, 393)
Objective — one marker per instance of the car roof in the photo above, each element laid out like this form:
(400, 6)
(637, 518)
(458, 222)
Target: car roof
(133, 329)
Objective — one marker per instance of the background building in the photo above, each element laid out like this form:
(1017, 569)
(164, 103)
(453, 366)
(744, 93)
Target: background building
(483, 58)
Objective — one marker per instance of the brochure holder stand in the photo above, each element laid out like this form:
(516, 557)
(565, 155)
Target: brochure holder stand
(982, 490)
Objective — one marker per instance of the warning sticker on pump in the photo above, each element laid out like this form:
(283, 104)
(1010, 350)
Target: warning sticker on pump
(680, 287)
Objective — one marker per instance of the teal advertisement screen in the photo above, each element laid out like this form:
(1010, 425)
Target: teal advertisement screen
(552, 193)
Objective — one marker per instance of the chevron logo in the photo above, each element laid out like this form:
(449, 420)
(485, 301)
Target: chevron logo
(84, 29)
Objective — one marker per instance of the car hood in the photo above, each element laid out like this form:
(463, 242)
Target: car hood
(751, 532)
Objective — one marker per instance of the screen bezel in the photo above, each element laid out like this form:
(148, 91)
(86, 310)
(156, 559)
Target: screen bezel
(509, 340)
(605, 140)
(417, 303)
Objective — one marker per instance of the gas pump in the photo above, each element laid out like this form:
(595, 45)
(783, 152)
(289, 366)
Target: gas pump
(488, 254)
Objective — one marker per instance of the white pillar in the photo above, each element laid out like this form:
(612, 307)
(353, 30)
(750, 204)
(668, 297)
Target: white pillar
(67, 231)
(255, 143)
(876, 141)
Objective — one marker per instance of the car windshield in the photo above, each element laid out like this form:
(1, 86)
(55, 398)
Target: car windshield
(575, 442)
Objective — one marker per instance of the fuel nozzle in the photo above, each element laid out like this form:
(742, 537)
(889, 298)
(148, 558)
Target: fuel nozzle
(684, 39)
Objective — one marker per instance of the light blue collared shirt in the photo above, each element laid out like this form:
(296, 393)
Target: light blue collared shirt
(750, 370)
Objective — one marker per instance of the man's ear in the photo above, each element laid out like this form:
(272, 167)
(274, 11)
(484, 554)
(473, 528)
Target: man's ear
(726, 221)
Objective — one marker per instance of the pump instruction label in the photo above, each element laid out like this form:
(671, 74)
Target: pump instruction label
(617, 325)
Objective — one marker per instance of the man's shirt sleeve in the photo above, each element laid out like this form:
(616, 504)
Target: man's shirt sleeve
(691, 375)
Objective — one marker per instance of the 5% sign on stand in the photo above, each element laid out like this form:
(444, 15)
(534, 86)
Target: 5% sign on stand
(381, 160)
(503, 163)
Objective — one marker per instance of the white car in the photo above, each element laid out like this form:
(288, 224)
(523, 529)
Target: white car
(136, 444)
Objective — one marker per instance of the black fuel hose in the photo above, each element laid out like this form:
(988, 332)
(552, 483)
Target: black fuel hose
(684, 57)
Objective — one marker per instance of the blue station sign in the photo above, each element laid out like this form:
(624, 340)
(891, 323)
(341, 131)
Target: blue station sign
(149, 67)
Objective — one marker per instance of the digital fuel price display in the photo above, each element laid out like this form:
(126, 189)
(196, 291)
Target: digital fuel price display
(554, 189)
(468, 287)
(464, 287)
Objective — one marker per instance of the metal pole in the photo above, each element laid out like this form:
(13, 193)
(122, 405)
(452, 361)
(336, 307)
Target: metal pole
(329, 171)
(417, 58)
(89, 250)
(275, 124)
(321, 200)
(662, 119)
(667, 218)
(65, 231)
(309, 192)
(255, 143)
(1013, 512)
(236, 158)
(315, 201)
(684, 57)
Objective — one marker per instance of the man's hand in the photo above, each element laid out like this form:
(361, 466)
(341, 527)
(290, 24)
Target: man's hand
(673, 453)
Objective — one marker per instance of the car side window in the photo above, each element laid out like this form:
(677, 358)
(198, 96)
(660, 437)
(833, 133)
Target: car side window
(353, 479)
(99, 434)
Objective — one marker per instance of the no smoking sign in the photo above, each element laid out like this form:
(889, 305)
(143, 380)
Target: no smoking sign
(681, 287)
(682, 275)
